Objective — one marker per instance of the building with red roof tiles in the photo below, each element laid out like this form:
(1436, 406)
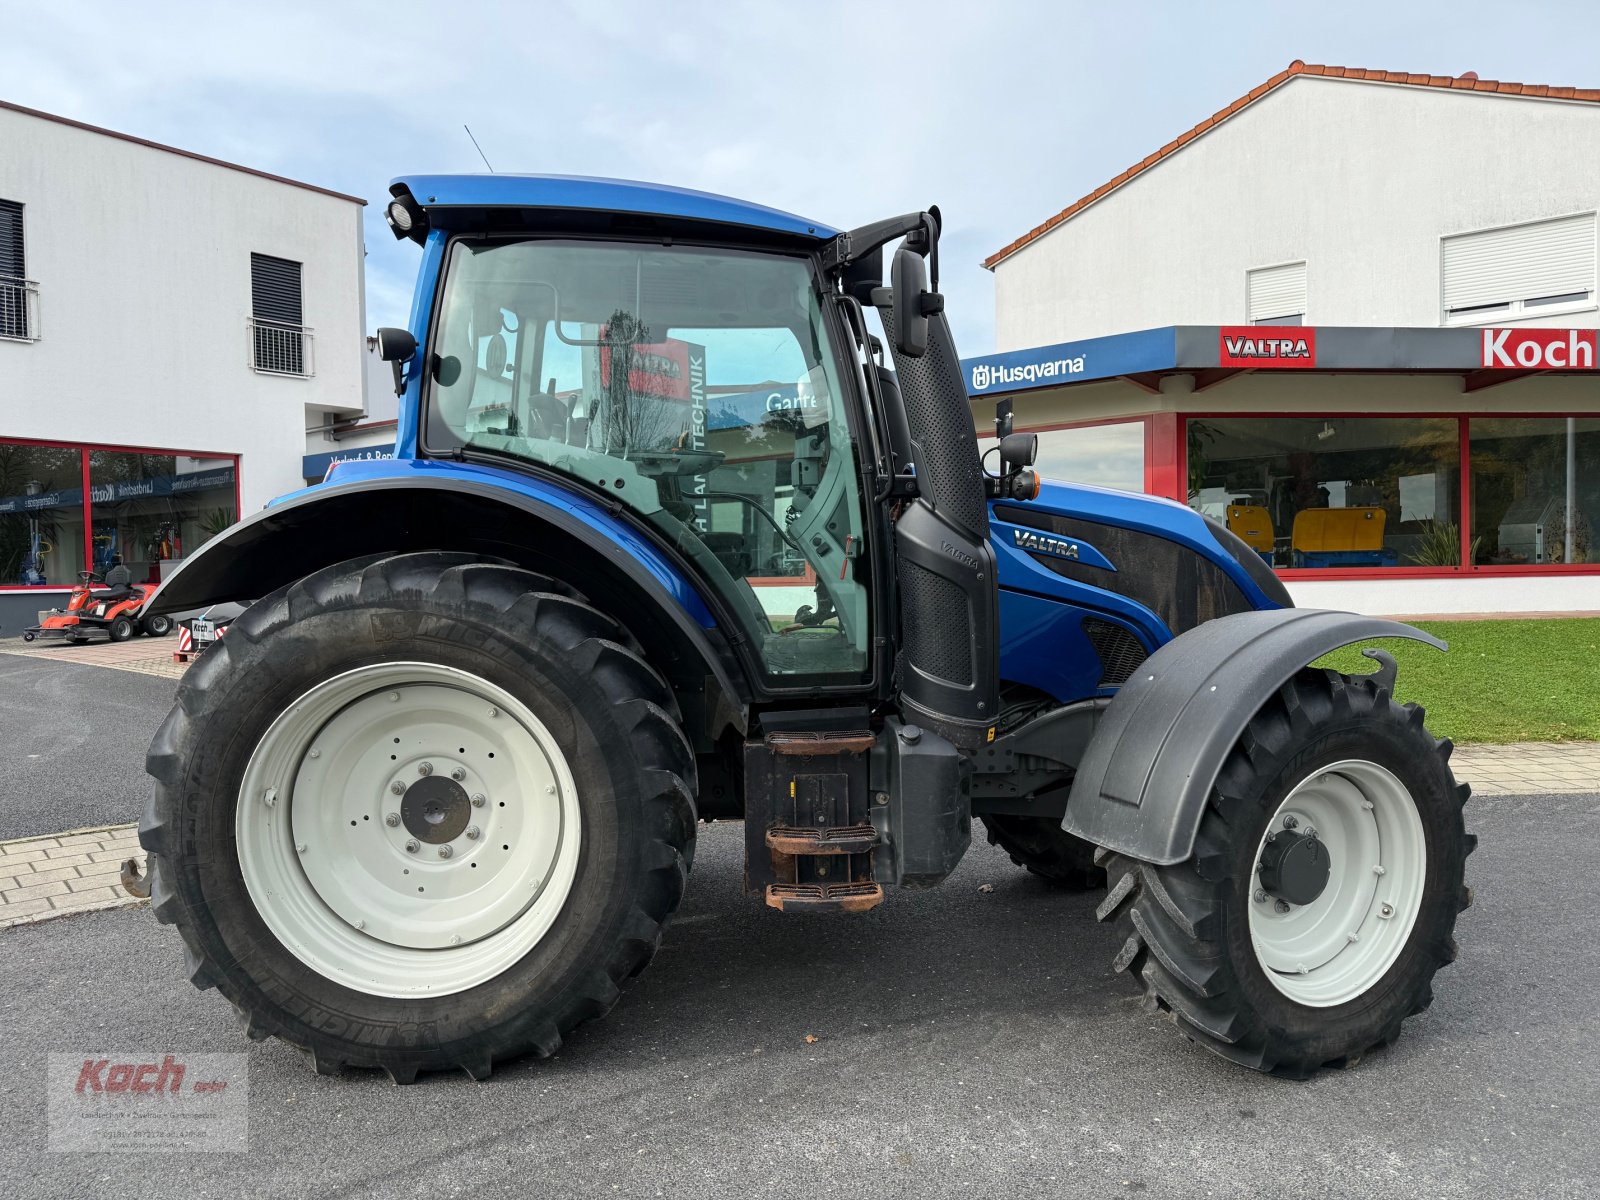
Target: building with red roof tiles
(1353, 313)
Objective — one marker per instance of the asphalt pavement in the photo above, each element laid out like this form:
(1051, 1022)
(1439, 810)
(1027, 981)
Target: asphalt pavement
(967, 1043)
(73, 740)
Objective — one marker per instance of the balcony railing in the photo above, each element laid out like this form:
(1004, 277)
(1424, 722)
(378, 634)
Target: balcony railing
(278, 348)
(19, 309)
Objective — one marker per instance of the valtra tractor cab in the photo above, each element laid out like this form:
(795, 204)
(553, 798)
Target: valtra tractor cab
(671, 535)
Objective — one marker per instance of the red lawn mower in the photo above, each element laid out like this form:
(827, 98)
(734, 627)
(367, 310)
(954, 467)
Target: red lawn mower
(113, 609)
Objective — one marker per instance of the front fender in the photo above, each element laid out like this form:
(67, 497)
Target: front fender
(1142, 786)
(231, 567)
(402, 506)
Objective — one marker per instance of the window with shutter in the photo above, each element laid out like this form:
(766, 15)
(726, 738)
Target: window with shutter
(14, 288)
(278, 315)
(1276, 295)
(1519, 270)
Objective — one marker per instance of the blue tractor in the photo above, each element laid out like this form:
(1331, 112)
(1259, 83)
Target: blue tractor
(671, 535)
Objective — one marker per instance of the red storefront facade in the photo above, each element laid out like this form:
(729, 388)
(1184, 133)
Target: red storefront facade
(1389, 470)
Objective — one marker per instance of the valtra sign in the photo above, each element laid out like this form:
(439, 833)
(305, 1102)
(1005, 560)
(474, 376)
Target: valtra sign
(1540, 349)
(1267, 346)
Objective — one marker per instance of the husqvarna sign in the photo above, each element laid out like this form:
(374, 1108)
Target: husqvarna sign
(985, 375)
(1070, 362)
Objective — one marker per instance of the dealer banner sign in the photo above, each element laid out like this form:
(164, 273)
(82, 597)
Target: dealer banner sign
(1071, 362)
(1539, 349)
(1267, 346)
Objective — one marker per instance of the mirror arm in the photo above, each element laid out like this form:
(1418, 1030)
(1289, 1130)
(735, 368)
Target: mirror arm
(920, 229)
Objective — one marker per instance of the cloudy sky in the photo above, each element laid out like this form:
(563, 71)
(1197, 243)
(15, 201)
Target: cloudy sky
(1000, 111)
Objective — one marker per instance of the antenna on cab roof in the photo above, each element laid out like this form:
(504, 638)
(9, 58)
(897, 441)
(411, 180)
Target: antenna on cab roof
(478, 148)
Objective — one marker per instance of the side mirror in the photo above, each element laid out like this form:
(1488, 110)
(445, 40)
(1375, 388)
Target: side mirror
(398, 347)
(909, 280)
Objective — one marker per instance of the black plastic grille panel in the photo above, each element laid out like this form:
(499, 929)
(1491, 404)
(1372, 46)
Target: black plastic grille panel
(936, 631)
(1118, 650)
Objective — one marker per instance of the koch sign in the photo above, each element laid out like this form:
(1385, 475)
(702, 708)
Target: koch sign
(1540, 349)
(1272, 346)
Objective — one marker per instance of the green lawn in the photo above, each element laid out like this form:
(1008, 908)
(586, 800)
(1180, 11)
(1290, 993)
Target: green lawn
(1503, 681)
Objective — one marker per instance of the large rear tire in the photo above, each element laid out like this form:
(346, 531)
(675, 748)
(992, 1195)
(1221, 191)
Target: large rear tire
(1334, 770)
(420, 812)
(1047, 850)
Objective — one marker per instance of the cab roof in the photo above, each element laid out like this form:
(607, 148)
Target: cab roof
(587, 193)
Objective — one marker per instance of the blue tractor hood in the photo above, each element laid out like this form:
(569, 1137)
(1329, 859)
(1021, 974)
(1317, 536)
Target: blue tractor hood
(1092, 520)
(582, 193)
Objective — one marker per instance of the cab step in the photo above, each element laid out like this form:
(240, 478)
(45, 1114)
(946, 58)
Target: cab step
(813, 833)
(838, 839)
(824, 897)
(822, 743)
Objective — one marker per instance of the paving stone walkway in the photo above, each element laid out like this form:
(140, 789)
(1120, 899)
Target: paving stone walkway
(148, 656)
(45, 877)
(1529, 768)
(79, 871)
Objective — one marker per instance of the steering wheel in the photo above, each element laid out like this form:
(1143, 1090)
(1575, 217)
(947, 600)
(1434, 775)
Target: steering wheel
(91, 577)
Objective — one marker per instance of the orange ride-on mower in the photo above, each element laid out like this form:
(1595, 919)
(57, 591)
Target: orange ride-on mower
(114, 609)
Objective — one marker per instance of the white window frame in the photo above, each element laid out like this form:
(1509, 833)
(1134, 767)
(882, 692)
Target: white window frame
(1518, 310)
(1303, 314)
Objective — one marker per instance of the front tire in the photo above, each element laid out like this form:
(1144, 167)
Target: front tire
(289, 822)
(1292, 987)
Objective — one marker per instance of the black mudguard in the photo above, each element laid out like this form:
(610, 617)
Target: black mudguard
(1142, 785)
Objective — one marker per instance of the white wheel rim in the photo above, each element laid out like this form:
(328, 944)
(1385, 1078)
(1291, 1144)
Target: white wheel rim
(436, 902)
(1334, 949)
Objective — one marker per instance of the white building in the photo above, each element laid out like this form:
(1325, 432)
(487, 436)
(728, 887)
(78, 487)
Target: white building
(170, 325)
(341, 437)
(1403, 236)
(1340, 199)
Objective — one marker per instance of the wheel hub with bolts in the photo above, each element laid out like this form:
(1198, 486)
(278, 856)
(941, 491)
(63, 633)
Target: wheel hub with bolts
(472, 862)
(435, 810)
(1294, 867)
(1339, 880)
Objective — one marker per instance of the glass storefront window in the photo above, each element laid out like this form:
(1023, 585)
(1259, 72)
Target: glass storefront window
(41, 516)
(1332, 492)
(1535, 489)
(150, 510)
(1110, 456)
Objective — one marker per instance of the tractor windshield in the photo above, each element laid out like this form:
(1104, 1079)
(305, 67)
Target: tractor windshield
(698, 387)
